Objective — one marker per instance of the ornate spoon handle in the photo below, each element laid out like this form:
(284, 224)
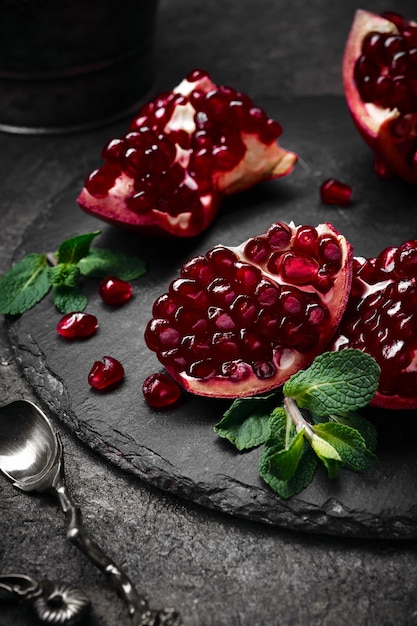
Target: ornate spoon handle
(52, 602)
(76, 534)
(137, 604)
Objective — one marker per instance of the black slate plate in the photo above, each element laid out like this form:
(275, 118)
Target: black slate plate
(177, 450)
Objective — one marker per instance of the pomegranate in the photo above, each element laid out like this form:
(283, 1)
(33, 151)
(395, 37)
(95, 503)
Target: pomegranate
(184, 151)
(240, 321)
(380, 319)
(380, 82)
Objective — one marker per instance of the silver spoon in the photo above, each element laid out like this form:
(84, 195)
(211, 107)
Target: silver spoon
(31, 455)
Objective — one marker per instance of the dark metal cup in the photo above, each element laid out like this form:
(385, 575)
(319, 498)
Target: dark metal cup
(68, 65)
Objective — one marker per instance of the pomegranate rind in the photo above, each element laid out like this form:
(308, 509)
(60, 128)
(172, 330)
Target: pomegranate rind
(262, 160)
(390, 136)
(113, 210)
(379, 323)
(286, 359)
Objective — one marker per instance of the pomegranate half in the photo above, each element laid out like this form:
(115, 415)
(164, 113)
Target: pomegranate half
(381, 319)
(184, 151)
(240, 321)
(380, 83)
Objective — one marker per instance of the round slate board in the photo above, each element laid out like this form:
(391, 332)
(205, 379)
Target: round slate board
(177, 450)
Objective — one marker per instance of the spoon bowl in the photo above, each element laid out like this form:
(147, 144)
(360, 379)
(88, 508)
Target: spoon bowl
(30, 450)
(31, 455)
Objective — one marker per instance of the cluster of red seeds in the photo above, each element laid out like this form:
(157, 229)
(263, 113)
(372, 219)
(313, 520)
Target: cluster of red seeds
(154, 151)
(382, 308)
(386, 71)
(224, 316)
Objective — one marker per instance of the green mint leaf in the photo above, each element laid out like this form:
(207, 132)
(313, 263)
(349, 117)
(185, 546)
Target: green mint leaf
(74, 249)
(336, 382)
(301, 478)
(356, 421)
(327, 454)
(347, 444)
(246, 423)
(24, 284)
(69, 299)
(100, 262)
(64, 275)
(284, 463)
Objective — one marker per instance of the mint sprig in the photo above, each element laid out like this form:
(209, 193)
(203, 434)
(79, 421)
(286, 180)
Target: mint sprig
(313, 420)
(28, 281)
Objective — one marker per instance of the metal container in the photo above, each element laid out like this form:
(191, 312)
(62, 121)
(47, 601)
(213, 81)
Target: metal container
(69, 65)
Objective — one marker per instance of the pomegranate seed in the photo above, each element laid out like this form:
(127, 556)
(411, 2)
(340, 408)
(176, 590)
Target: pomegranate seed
(105, 374)
(77, 325)
(333, 191)
(115, 291)
(160, 391)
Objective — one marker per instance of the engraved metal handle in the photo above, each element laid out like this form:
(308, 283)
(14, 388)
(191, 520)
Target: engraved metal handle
(52, 602)
(76, 534)
(137, 604)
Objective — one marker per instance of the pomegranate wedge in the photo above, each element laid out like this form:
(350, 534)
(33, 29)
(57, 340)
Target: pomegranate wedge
(240, 321)
(381, 319)
(380, 82)
(184, 152)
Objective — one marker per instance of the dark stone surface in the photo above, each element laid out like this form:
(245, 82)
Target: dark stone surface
(218, 569)
(177, 450)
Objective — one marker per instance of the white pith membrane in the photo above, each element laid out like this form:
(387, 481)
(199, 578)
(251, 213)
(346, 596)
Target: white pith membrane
(391, 135)
(260, 162)
(287, 360)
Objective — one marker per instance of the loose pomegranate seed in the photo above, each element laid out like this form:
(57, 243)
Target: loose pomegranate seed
(105, 374)
(115, 291)
(77, 325)
(335, 192)
(160, 391)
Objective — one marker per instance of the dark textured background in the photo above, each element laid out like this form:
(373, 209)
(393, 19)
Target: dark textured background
(219, 570)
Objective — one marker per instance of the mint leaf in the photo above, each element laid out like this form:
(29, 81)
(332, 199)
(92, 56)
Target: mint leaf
(74, 249)
(24, 284)
(336, 382)
(301, 478)
(246, 423)
(101, 262)
(69, 299)
(348, 445)
(64, 275)
(284, 463)
(356, 421)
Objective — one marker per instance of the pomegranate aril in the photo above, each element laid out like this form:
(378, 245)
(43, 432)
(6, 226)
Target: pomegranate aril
(299, 269)
(77, 325)
(334, 191)
(115, 291)
(160, 391)
(105, 374)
